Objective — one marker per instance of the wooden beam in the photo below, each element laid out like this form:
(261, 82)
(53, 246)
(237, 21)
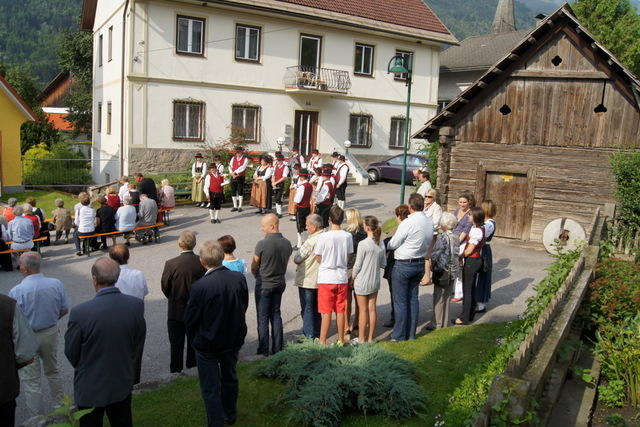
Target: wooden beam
(496, 70)
(531, 40)
(463, 100)
(448, 114)
(513, 56)
(482, 84)
(552, 74)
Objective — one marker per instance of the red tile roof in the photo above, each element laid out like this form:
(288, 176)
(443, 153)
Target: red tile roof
(411, 13)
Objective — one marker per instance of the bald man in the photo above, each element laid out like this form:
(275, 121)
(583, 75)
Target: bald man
(104, 335)
(269, 267)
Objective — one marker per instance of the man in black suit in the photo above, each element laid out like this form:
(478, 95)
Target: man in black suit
(101, 341)
(177, 277)
(215, 317)
(146, 186)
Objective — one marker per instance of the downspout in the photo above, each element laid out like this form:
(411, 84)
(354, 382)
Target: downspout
(124, 30)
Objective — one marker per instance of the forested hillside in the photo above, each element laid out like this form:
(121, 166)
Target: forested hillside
(30, 30)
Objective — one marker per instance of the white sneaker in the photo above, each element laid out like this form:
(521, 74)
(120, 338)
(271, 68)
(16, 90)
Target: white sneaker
(354, 341)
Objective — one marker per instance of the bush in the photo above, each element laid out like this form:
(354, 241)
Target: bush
(324, 382)
(626, 168)
(47, 170)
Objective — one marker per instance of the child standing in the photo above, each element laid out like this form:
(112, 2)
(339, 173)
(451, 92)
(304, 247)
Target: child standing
(214, 190)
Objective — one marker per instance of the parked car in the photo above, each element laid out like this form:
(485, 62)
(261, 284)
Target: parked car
(391, 169)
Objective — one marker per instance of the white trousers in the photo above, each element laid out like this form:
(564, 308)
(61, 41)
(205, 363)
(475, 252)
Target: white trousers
(31, 375)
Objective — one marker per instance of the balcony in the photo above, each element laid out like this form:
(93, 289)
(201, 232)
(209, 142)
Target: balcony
(312, 79)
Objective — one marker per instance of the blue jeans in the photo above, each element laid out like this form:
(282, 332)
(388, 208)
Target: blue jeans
(219, 386)
(406, 278)
(268, 307)
(309, 312)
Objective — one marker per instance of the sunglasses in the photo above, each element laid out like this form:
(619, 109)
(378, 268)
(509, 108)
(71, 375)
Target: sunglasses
(428, 197)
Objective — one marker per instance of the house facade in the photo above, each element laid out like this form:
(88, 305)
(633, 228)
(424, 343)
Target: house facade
(14, 111)
(313, 73)
(535, 132)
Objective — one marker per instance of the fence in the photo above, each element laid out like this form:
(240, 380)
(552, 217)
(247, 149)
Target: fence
(529, 371)
(66, 173)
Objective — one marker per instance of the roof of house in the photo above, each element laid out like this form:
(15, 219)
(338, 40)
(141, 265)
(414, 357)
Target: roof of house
(409, 18)
(54, 84)
(17, 100)
(562, 16)
(479, 52)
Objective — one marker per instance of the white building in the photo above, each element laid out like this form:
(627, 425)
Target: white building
(312, 71)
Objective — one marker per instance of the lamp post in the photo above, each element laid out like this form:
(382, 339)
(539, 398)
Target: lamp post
(280, 141)
(403, 65)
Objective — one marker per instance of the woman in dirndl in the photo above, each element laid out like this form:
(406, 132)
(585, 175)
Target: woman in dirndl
(261, 189)
(198, 173)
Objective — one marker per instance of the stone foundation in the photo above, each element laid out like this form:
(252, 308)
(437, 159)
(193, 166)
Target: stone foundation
(154, 160)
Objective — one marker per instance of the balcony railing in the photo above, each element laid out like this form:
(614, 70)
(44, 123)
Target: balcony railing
(302, 77)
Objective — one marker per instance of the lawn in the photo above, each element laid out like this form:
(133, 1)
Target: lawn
(442, 359)
(45, 199)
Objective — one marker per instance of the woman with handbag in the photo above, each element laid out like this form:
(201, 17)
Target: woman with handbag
(446, 269)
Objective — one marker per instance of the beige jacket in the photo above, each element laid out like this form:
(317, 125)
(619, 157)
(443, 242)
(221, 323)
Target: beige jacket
(307, 270)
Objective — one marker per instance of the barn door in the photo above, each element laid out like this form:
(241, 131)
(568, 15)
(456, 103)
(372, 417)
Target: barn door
(510, 192)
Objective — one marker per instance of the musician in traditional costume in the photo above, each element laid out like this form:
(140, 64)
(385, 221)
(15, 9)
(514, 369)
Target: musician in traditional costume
(325, 192)
(315, 161)
(280, 173)
(334, 160)
(238, 170)
(302, 199)
(291, 204)
(214, 189)
(340, 178)
(261, 189)
(296, 158)
(198, 173)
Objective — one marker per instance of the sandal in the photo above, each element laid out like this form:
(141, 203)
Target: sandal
(458, 322)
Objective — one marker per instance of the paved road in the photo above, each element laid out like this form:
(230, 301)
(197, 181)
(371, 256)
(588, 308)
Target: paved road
(516, 269)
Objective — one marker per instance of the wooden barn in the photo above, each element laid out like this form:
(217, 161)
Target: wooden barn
(535, 132)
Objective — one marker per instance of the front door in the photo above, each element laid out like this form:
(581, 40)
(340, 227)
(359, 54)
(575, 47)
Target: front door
(305, 132)
(509, 192)
(309, 52)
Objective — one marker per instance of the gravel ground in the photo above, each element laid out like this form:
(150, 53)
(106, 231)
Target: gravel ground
(516, 269)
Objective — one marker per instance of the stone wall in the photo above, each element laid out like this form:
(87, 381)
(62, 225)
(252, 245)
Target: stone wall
(153, 160)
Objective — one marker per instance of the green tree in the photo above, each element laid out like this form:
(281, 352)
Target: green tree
(40, 131)
(616, 24)
(75, 53)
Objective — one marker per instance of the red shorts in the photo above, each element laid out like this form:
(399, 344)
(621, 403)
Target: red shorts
(332, 297)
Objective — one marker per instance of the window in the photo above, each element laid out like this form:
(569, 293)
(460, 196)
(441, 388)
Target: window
(360, 130)
(364, 60)
(100, 50)
(99, 118)
(108, 118)
(408, 56)
(188, 120)
(247, 43)
(110, 44)
(396, 161)
(190, 36)
(245, 122)
(310, 52)
(397, 133)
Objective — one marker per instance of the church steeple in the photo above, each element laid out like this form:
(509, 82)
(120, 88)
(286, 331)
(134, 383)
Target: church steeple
(505, 19)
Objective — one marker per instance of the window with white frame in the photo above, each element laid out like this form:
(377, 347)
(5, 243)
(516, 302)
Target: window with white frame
(360, 130)
(364, 60)
(247, 43)
(245, 122)
(108, 118)
(190, 35)
(100, 50)
(110, 44)
(408, 56)
(99, 118)
(397, 132)
(188, 120)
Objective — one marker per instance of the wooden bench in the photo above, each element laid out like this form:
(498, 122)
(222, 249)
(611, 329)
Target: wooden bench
(165, 214)
(36, 242)
(14, 251)
(182, 193)
(87, 239)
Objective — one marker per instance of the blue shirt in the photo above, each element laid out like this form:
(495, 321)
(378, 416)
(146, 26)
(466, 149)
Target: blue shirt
(41, 299)
(20, 229)
(126, 218)
(236, 265)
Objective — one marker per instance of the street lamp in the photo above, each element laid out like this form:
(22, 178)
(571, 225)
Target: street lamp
(402, 64)
(347, 144)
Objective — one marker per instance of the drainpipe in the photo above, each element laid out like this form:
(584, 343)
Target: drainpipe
(124, 30)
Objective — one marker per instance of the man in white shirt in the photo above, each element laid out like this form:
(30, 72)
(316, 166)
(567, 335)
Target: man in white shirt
(340, 177)
(425, 185)
(124, 188)
(410, 242)
(315, 161)
(238, 169)
(325, 191)
(130, 282)
(332, 251)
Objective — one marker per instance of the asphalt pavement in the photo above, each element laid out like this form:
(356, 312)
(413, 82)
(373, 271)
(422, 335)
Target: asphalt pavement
(516, 269)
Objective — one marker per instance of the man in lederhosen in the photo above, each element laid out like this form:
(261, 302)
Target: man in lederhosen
(325, 191)
(238, 168)
(303, 203)
(340, 178)
(315, 161)
(280, 172)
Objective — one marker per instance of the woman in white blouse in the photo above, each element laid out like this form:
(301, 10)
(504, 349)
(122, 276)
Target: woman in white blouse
(472, 265)
(85, 220)
(261, 190)
(432, 209)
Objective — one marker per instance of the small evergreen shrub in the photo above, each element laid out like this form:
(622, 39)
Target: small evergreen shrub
(325, 382)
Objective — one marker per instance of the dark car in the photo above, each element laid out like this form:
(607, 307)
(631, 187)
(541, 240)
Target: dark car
(391, 169)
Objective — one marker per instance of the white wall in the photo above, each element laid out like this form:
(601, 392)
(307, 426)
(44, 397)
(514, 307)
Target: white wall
(451, 84)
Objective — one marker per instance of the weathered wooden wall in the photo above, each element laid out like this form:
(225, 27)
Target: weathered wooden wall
(551, 136)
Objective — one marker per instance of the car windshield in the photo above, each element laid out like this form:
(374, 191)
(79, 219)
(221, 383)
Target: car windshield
(396, 161)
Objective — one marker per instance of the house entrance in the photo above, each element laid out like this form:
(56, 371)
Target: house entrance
(305, 131)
